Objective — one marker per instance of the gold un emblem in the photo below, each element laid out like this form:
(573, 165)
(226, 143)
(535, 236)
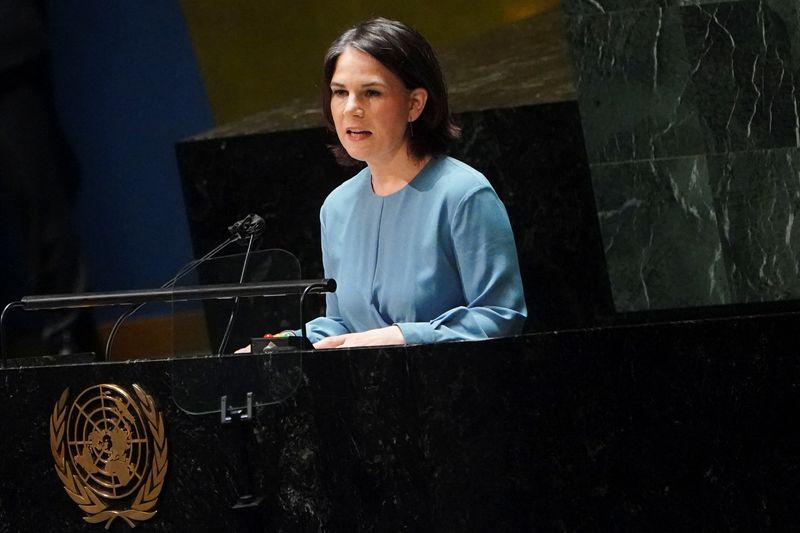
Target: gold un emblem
(110, 450)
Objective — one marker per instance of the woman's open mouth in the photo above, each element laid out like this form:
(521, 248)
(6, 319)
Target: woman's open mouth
(357, 135)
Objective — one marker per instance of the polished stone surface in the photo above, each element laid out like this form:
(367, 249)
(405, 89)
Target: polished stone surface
(661, 234)
(670, 427)
(757, 195)
(632, 71)
(687, 80)
(690, 117)
(745, 62)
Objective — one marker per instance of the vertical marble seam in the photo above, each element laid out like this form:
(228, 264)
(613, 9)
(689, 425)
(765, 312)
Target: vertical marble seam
(758, 96)
(779, 85)
(761, 21)
(655, 49)
(733, 110)
(761, 268)
(716, 21)
(712, 286)
(679, 99)
(796, 115)
(719, 24)
(777, 270)
(693, 185)
(645, 293)
(726, 222)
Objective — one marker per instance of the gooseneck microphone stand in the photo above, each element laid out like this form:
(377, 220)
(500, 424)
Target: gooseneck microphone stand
(252, 225)
(180, 294)
(185, 270)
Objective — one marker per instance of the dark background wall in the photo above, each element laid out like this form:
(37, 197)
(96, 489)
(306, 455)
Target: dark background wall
(121, 84)
(127, 88)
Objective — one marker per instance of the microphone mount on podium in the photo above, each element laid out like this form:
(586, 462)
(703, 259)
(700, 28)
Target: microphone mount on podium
(173, 294)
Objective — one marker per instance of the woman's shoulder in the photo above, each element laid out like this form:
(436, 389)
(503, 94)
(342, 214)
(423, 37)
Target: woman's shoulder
(456, 178)
(451, 165)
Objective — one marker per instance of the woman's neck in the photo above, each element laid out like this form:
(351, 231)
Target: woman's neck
(390, 178)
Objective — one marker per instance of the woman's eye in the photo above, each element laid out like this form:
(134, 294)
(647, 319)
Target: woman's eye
(339, 92)
(372, 92)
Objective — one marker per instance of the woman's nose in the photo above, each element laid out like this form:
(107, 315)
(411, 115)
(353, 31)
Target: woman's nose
(352, 106)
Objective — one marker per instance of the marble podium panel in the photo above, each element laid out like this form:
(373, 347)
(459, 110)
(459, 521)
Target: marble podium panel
(673, 426)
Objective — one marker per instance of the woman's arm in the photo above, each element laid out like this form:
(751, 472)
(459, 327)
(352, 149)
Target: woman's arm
(388, 336)
(486, 257)
(326, 326)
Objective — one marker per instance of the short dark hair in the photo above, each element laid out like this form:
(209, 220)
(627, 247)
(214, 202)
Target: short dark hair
(408, 55)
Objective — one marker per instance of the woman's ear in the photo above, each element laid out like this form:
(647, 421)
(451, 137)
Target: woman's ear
(417, 100)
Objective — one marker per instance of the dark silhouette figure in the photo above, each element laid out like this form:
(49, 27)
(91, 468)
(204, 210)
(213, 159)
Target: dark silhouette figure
(38, 185)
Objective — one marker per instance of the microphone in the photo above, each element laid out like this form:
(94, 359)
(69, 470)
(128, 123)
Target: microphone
(250, 226)
(202, 292)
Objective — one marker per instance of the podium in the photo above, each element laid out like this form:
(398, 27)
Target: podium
(672, 426)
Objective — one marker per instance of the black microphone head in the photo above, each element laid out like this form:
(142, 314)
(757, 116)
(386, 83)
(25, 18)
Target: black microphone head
(252, 224)
(256, 226)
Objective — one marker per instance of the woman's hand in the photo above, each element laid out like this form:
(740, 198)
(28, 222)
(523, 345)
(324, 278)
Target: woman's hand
(388, 336)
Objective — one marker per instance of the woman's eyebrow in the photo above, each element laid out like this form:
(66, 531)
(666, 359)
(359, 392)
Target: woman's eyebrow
(375, 83)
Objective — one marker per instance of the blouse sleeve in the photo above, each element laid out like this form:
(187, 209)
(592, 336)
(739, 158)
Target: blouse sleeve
(486, 257)
(331, 324)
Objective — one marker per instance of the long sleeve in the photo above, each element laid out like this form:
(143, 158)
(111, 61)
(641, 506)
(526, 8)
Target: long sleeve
(331, 324)
(487, 263)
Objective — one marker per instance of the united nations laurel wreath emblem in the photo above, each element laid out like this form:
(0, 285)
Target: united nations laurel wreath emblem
(110, 451)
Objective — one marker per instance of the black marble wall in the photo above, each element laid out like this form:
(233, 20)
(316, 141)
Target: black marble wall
(690, 116)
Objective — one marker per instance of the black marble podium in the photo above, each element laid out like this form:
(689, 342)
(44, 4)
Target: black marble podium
(682, 426)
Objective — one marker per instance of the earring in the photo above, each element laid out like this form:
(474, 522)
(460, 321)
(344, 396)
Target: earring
(411, 128)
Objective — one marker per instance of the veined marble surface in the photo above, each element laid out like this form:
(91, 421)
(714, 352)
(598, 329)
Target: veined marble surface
(664, 427)
(691, 123)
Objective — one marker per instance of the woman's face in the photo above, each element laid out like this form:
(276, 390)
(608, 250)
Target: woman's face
(371, 108)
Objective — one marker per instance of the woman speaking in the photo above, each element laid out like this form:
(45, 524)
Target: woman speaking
(419, 243)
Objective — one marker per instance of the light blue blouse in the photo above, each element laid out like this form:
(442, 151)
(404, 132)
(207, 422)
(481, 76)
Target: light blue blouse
(437, 258)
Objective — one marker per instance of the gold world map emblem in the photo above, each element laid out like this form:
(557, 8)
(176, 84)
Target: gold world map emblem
(110, 452)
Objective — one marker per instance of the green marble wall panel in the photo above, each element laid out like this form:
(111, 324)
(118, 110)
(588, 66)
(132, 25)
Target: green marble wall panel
(632, 70)
(743, 75)
(661, 235)
(691, 123)
(757, 196)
